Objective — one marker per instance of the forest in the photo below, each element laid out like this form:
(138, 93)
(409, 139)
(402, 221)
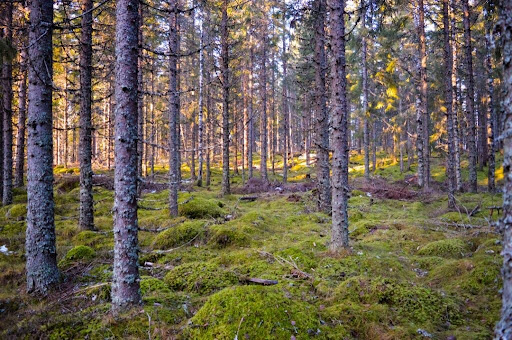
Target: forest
(256, 169)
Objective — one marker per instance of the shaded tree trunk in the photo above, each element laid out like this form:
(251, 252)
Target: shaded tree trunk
(7, 104)
(174, 110)
(125, 280)
(140, 100)
(366, 129)
(225, 98)
(264, 120)
(322, 115)
(489, 44)
(86, 220)
(285, 108)
(456, 138)
(201, 101)
(339, 238)
(40, 249)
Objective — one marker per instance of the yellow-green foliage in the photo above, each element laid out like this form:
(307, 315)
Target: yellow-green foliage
(78, 254)
(200, 277)
(17, 211)
(199, 207)
(445, 248)
(253, 312)
(178, 235)
(222, 236)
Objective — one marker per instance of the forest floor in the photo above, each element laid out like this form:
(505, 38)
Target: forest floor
(416, 270)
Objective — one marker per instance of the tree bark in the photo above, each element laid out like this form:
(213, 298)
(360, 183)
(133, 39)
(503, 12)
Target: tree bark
(470, 100)
(7, 104)
(225, 98)
(201, 100)
(455, 111)
(41, 252)
(174, 110)
(140, 98)
(322, 115)
(366, 129)
(285, 108)
(264, 120)
(22, 118)
(86, 220)
(491, 107)
(125, 281)
(339, 238)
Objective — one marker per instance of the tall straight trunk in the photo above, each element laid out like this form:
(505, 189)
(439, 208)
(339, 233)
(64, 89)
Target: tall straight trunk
(174, 110)
(7, 104)
(322, 115)
(22, 118)
(339, 238)
(273, 116)
(455, 102)
(225, 98)
(374, 146)
(245, 118)
(366, 130)
(66, 117)
(263, 120)
(40, 248)
(125, 280)
(470, 100)
(448, 101)
(86, 220)
(140, 98)
(410, 153)
(201, 101)
(504, 327)
(285, 108)
(422, 117)
(489, 45)
(250, 142)
(482, 132)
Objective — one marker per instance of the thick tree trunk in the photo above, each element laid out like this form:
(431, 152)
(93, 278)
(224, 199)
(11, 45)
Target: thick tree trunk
(285, 108)
(40, 249)
(201, 101)
(470, 100)
(86, 221)
(125, 281)
(339, 238)
(140, 99)
(450, 162)
(174, 110)
(504, 327)
(7, 104)
(225, 98)
(322, 115)
(22, 118)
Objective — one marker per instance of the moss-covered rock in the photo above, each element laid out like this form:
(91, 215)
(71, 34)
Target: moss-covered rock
(17, 211)
(222, 236)
(179, 235)
(253, 312)
(200, 277)
(201, 208)
(78, 254)
(451, 248)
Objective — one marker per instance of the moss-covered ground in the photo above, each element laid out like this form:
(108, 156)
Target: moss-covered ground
(415, 270)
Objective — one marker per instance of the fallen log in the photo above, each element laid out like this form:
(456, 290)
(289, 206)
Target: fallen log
(249, 198)
(259, 281)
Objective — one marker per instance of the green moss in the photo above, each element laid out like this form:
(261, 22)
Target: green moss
(253, 312)
(78, 254)
(201, 208)
(150, 284)
(179, 235)
(200, 277)
(222, 236)
(17, 211)
(89, 238)
(445, 248)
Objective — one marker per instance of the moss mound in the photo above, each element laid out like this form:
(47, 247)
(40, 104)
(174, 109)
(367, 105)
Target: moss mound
(200, 277)
(253, 312)
(178, 235)
(451, 248)
(78, 254)
(222, 236)
(17, 211)
(201, 208)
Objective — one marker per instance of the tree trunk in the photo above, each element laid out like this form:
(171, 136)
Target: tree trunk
(285, 108)
(322, 115)
(86, 221)
(366, 132)
(125, 280)
(263, 120)
(22, 117)
(489, 45)
(470, 100)
(41, 252)
(339, 238)
(201, 101)
(140, 99)
(174, 110)
(7, 104)
(450, 162)
(456, 139)
(250, 142)
(225, 98)
(504, 327)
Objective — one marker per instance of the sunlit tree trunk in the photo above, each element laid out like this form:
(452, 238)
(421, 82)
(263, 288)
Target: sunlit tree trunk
(264, 118)
(22, 118)
(174, 110)
(201, 100)
(7, 105)
(491, 106)
(225, 98)
(285, 108)
(40, 249)
(366, 129)
(125, 280)
(339, 237)
(455, 102)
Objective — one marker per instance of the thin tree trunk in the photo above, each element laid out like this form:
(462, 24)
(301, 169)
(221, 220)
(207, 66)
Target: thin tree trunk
(250, 142)
(470, 101)
(201, 101)
(366, 132)
(489, 45)
(456, 138)
(174, 110)
(22, 118)
(339, 238)
(86, 220)
(263, 120)
(285, 108)
(7, 104)
(225, 98)
(40, 248)
(125, 280)
(322, 116)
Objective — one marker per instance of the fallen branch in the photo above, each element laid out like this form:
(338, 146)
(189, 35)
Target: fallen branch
(249, 198)
(259, 281)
